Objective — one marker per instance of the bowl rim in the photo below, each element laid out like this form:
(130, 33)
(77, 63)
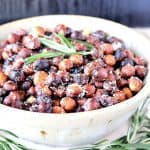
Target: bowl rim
(123, 104)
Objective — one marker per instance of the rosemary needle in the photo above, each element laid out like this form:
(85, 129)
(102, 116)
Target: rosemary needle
(63, 49)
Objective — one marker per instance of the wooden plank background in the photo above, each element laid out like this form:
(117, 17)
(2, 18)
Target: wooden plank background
(129, 12)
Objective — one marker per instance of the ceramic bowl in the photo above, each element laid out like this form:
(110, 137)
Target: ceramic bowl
(75, 128)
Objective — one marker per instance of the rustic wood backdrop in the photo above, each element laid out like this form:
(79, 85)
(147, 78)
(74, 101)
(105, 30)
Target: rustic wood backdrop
(129, 12)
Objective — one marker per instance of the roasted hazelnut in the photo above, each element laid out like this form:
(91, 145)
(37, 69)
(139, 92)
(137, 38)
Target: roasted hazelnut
(3, 78)
(31, 91)
(41, 64)
(74, 90)
(26, 85)
(31, 99)
(127, 61)
(68, 103)
(38, 31)
(122, 82)
(60, 91)
(80, 78)
(99, 34)
(57, 60)
(139, 61)
(15, 48)
(64, 75)
(129, 54)
(10, 86)
(6, 54)
(128, 70)
(58, 110)
(120, 55)
(89, 89)
(111, 76)
(99, 92)
(28, 69)
(42, 107)
(98, 84)
(13, 38)
(76, 59)
(18, 63)
(81, 101)
(110, 60)
(14, 99)
(77, 35)
(110, 85)
(65, 64)
(91, 104)
(3, 43)
(100, 74)
(117, 44)
(24, 52)
(88, 68)
(140, 71)
(56, 102)
(16, 75)
(62, 29)
(107, 48)
(42, 89)
(94, 41)
(119, 96)
(21, 32)
(105, 100)
(79, 46)
(30, 42)
(53, 79)
(97, 53)
(39, 77)
(127, 92)
(135, 84)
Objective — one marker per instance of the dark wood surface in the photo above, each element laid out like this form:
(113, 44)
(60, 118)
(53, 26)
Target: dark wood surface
(129, 12)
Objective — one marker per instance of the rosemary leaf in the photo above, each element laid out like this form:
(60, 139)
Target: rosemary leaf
(137, 146)
(8, 132)
(31, 59)
(65, 41)
(54, 45)
(7, 143)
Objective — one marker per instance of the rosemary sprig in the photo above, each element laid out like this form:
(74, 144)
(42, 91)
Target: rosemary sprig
(7, 143)
(137, 138)
(65, 48)
(31, 59)
(65, 41)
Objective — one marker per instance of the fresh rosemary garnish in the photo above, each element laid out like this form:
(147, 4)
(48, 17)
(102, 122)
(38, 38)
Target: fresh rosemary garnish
(7, 143)
(31, 59)
(137, 138)
(64, 49)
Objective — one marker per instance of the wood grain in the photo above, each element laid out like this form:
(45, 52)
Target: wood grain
(129, 12)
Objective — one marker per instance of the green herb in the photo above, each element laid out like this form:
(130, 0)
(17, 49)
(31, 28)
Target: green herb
(31, 59)
(64, 49)
(6, 143)
(65, 42)
(137, 138)
(54, 45)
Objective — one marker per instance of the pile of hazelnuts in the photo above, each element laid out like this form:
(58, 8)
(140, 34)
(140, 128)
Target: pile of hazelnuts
(109, 75)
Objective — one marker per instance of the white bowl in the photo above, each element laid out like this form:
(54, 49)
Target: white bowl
(75, 128)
